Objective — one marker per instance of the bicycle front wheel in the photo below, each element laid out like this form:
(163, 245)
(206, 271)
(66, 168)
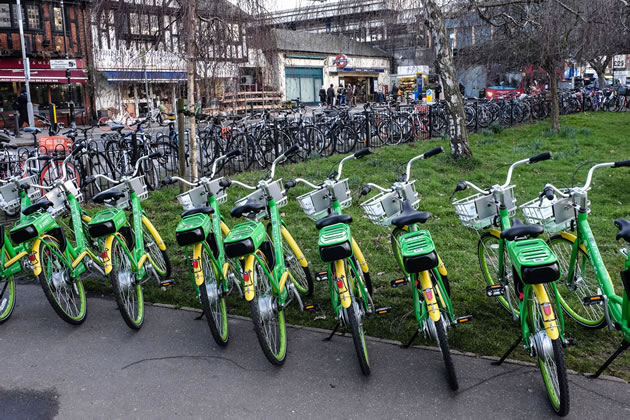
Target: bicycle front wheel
(159, 259)
(7, 299)
(127, 291)
(267, 318)
(212, 299)
(571, 294)
(301, 276)
(550, 360)
(488, 253)
(66, 296)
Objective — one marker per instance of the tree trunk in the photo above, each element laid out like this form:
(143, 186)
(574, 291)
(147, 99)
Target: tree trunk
(445, 65)
(555, 105)
(599, 65)
(192, 63)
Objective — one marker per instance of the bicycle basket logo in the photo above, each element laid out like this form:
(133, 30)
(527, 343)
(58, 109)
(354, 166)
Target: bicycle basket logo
(341, 61)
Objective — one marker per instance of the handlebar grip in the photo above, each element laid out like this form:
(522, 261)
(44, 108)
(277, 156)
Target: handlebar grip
(25, 187)
(155, 155)
(78, 148)
(89, 179)
(621, 163)
(225, 183)
(44, 158)
(167, 180)
(363, 152)
(365, 190)
(233, 153)
(540, 157)
(292, 150)
(290, 184)
(548, 191)
(461, 186)
(433, 152)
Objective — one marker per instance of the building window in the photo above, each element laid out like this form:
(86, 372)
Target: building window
(134, 26)
(32, 16)
(155, 26)
(5, 15)
(57, 19)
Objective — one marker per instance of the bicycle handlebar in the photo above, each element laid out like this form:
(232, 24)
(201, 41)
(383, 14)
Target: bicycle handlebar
(291, 150)
(425, 155)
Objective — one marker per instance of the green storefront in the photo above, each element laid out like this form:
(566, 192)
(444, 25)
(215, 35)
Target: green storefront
(304, 83)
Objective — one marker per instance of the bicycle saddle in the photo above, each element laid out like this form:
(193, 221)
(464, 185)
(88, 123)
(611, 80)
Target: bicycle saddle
(32, 130)
(4, 138)
(250, 206)
(410, 216)
(108, 195)
(40, 205)
(117, 127)
(197, 210)
(333, 219)
(624, 229)
(521, 229)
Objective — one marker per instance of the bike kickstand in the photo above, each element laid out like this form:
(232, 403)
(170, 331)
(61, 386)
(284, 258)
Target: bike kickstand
(332, 333)
(507, 353)
(413, 337)
(623, 347)
(200, 316)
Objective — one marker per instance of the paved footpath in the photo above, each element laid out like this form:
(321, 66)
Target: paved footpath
(172, 369)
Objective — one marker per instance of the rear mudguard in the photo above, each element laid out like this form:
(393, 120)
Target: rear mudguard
(342, 284)
(429, 295)
(549, 319)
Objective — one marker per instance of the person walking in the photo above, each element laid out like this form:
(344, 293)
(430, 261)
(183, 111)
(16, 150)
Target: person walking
(395, 92)
(340, 95)
(21, 108)
(349, 95)
(322, 96)
(330, 95)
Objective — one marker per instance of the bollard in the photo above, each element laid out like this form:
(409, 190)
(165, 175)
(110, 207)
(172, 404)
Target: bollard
(17, 124)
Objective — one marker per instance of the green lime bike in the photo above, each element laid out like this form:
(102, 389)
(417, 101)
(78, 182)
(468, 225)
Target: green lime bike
(586, 291)
(275, 271)
(133, 251)
(201, 231)
(534, 268)
(416, 254)
(348, 274)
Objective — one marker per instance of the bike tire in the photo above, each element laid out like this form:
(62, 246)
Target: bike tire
(7, 299)
(488, 253)
(103, 123)
(127, 291)
(571, 301)
(159, 259)
(270, 327)
(358, 336)
(301, 276)
(63, 298)
(442, 341)
(212, 299)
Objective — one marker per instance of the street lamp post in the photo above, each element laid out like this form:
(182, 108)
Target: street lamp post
(27, 67)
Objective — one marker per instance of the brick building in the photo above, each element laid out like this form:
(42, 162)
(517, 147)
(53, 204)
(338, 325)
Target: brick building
(57, 46)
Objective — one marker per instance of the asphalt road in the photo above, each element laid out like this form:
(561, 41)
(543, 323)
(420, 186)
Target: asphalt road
(172, 369)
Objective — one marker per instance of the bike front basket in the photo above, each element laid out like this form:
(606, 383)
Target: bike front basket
(58, 197)
(136, 185)
(316, 204)
(276, 191)
(554, 216)
(198, 196)
(384, 207)
(10, 194)
(478, 211)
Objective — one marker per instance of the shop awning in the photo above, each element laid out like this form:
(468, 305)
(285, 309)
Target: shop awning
(139, 76)
(44, 76)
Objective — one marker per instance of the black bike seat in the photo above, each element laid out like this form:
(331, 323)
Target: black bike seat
(108, 195)
(410, 216)
(250, 206)
(521, 229)
(40, 205)
(32, 130)
(197, 210)
(333, 219)
(117, 127)
(624, 229)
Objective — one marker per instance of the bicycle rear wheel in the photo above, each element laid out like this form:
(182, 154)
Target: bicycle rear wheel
(268, 320)
(442, 341)
(7, 299)
(127, 290)
(212, 299)
(355, 321)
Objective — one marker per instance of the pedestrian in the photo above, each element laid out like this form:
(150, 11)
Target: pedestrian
(349, 94)
(330, 95)
(395, 92)
(322, 96)
(340, 94)
(438, 90)
(20, 106)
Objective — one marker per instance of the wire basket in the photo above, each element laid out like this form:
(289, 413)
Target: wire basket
(384, 207)
(409, 193)
(316, 204)
(276, 191)
(479, 210)
(137, 185)
(58, 197)
(554, 216)
(10, 194)
(198, 196)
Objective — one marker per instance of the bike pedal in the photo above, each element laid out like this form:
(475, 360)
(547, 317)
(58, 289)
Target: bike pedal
(593, 300)
(495, 290)
(384, 310)
(167, 283)
(311, 308)
(321, 276)
(567, 342)
(463, 319)
(399, 282)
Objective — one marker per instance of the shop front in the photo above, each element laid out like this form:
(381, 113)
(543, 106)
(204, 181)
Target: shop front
(52, 82)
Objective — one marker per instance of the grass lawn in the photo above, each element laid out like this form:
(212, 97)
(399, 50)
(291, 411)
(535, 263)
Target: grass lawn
(586, 139)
